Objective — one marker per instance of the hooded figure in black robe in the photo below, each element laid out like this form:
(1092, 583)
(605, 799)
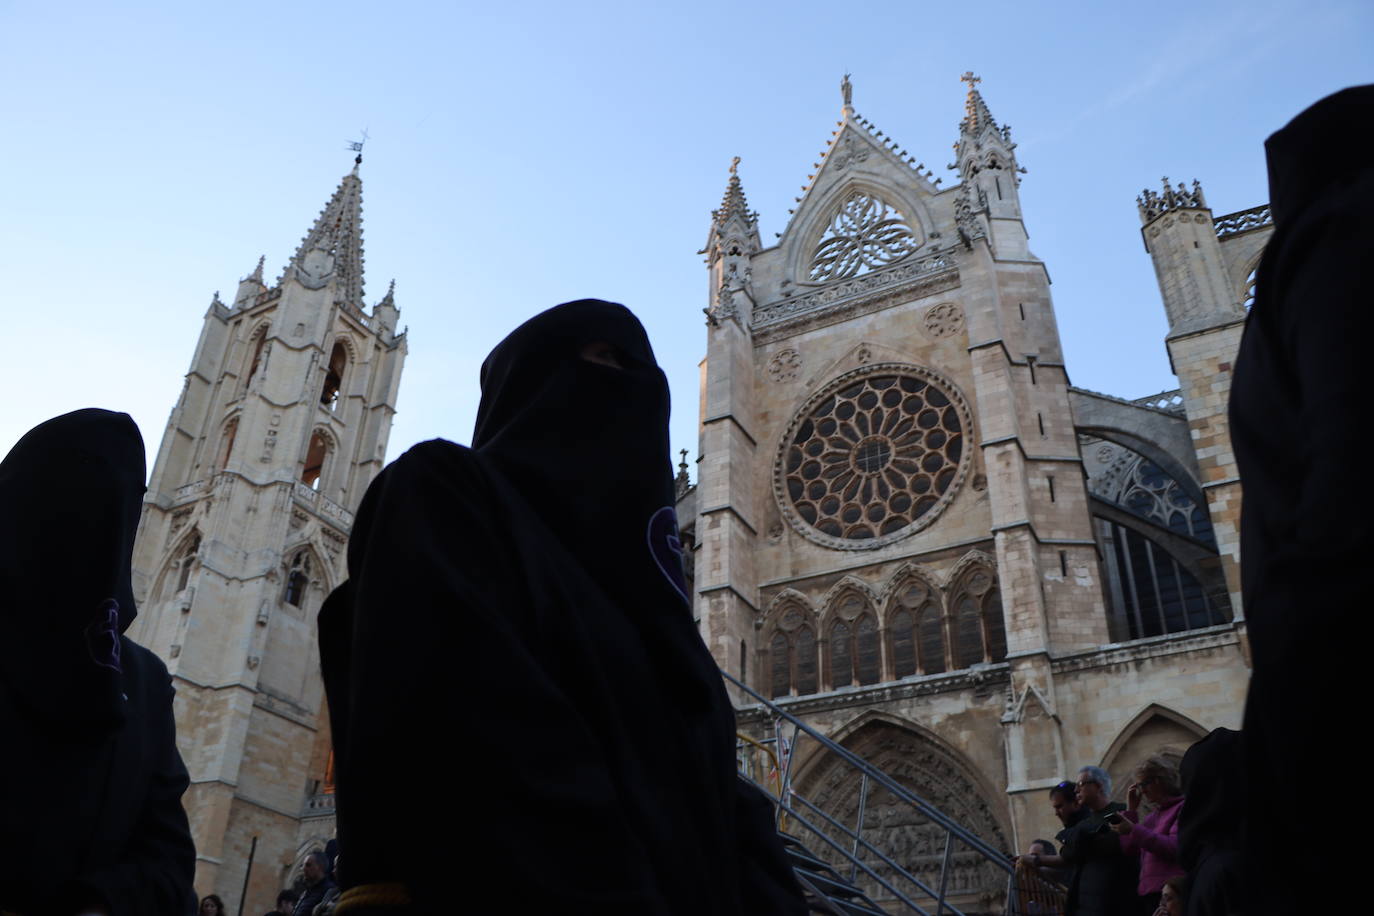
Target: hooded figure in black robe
(513, 660)
(1300, 416)
(90, 777)
(1212, 824)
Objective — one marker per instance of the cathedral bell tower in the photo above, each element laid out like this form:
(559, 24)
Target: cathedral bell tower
(281, 424)
(1202, 299)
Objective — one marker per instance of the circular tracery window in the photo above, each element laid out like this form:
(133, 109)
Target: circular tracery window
(874, 457)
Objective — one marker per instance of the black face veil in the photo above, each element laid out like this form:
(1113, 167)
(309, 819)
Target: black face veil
(70, 495)
(586, 446)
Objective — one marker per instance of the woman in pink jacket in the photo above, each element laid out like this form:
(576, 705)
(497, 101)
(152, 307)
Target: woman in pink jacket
(1155, 839)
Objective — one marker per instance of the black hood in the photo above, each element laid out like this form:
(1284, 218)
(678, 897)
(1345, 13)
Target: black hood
(1323, 147)
(71, 492)
(1213, 816)
(587, 444)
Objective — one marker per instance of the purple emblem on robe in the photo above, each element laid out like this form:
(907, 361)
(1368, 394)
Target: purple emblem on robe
(666, 547)
(102, 636)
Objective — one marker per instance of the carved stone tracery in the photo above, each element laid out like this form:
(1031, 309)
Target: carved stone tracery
(785, 365)
(873, 457)
(943, 320)
(866, 232)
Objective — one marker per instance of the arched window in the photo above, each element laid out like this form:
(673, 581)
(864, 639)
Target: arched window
(901, 629)
(979, 632)
(298, 579)
(854, 647)
(792, 655)
(314, 461)
(915, 631)
(258, 345)
(226, 442)
(184, 561)
(1151, 589)
(930, 630)
(333, 376)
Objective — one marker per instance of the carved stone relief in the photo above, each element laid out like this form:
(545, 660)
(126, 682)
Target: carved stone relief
(785, 365)
(851, 151)
(895, 827)
(943, 320)
(864, 233)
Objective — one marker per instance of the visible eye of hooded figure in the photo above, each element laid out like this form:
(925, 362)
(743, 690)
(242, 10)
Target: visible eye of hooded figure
(524, 600)
(90, 778)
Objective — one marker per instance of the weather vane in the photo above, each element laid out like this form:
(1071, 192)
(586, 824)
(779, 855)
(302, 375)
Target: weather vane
(357, 147)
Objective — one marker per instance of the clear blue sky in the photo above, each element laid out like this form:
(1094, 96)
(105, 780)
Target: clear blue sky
(524, 154)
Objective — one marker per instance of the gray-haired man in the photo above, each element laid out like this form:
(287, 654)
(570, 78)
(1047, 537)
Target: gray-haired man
(1104, 880)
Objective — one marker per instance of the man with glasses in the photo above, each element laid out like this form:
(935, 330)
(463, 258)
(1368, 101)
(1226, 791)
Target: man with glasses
(1104, 880)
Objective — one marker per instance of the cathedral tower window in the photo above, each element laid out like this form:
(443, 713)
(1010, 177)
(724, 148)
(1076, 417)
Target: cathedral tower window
(226, 440)
(258, 344)
(184, 561)
(298, 579)
(333, 376)
(315, 457)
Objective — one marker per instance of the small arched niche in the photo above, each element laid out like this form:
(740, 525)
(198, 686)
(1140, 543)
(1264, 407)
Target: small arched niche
(334, 375)
(315, 457)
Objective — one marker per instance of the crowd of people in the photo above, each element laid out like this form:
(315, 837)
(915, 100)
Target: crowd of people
(1171, 848)
(546, 559)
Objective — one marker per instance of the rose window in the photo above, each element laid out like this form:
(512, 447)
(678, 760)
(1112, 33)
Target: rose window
(874, 457)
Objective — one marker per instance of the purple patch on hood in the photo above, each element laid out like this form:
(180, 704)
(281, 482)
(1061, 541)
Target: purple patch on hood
(666, 547)
(102, 636)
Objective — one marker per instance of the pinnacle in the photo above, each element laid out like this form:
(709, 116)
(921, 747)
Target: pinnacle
(338, 231)
(734, 202)
(976, 113)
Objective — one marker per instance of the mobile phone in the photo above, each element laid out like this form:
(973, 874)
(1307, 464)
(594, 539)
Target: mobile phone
(1114, 818)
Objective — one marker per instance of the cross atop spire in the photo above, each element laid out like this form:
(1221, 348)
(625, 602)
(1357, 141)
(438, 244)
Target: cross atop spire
(734, 202)
(976, 114)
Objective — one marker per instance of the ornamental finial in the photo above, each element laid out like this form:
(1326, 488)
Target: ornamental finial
(847, 91)
(969, 78)
(734, 166)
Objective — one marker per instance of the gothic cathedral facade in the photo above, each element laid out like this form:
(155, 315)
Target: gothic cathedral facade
(909, 529)
(282, 423)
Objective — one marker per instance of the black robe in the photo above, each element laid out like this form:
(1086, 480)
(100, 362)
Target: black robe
(90, 777)
(1299, 417)
(514, 629)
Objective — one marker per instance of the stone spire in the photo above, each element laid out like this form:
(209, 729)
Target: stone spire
(733, 220)
(988, 203)
(251, 286)
(332, 252)
(976, 113)
(733, 204)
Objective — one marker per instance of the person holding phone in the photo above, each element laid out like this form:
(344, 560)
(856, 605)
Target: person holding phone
(1155, 839)
(1104, 879)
